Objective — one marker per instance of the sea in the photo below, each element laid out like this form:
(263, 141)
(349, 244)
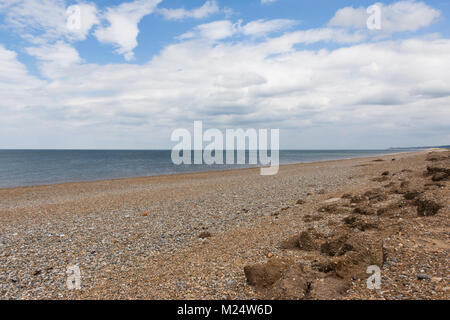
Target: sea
(40, 167)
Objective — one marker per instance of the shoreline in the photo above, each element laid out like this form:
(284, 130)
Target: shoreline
(256, 167)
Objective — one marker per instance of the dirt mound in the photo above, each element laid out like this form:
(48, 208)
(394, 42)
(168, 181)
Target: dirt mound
(311, 218)
(438, 169)
(204, 235)
(393, 207)
(264, 275)
(293, 285)
(357, 199)
(440, 176)
(411, 194)
(438, 156)
(380, 179)
(281, 280)
(333, 208)
(336, 246)
(376, 195)
(404, 184)
(357, 222)
(307, 241)
(364, 210)
(427, 206)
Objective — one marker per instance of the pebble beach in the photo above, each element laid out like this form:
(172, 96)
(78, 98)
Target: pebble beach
(190, 236)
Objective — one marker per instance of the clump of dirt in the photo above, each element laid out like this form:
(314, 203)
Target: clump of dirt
(351, 254)
(438, 169)
(325, 265)
(385, 173)
(357, 223)
(427, 206)
(411, 194)
(279, 211)
(437, 156)
(440, 176)
(357, 199)
(291, 243)
(307, 241)
(381, 179)
(404, 184)
(364, 210)
(376, 195)
(392, 208)
(311, 218)
(336, 246)
(281, 280)
(293, 285)
(204, 235)
(390, 185)
(265, 275)
(434, 185)
(300, 202)
(333, 208)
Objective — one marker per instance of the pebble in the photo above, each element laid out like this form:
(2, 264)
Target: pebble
(422, 276)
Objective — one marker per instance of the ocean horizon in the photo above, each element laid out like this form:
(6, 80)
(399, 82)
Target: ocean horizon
(29, 167)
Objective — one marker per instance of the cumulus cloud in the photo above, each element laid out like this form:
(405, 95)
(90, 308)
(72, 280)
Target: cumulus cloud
(207, 9)
(397, 17)
(123, 30)
(361, 89)
(363, 94)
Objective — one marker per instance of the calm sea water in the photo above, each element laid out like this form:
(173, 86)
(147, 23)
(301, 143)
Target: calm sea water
(37, 167)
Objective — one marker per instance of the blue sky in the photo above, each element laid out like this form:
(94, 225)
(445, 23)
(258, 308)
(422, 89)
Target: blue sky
(134, 71)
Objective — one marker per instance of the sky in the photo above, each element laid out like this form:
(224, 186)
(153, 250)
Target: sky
(126, 74)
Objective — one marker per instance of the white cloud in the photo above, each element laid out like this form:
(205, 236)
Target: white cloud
(397, 17)
(268, 1)
(207, 9)
(224, 29)
(361, 95)
(324, 97)
(123, 30)
(263, 27)
(40, 21)
(214, 30)
(55, 59)
(17, 87)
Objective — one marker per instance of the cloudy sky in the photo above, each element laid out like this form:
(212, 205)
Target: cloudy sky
(127, 73)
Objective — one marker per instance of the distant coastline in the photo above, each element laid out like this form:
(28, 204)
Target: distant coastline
(20, 168)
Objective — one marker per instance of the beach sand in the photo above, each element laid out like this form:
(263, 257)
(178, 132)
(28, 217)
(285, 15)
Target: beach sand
(307, 233)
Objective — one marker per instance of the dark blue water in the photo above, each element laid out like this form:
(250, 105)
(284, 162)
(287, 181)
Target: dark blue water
(37, 167)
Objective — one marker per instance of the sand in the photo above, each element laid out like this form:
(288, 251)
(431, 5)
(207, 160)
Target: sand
(190, 236)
